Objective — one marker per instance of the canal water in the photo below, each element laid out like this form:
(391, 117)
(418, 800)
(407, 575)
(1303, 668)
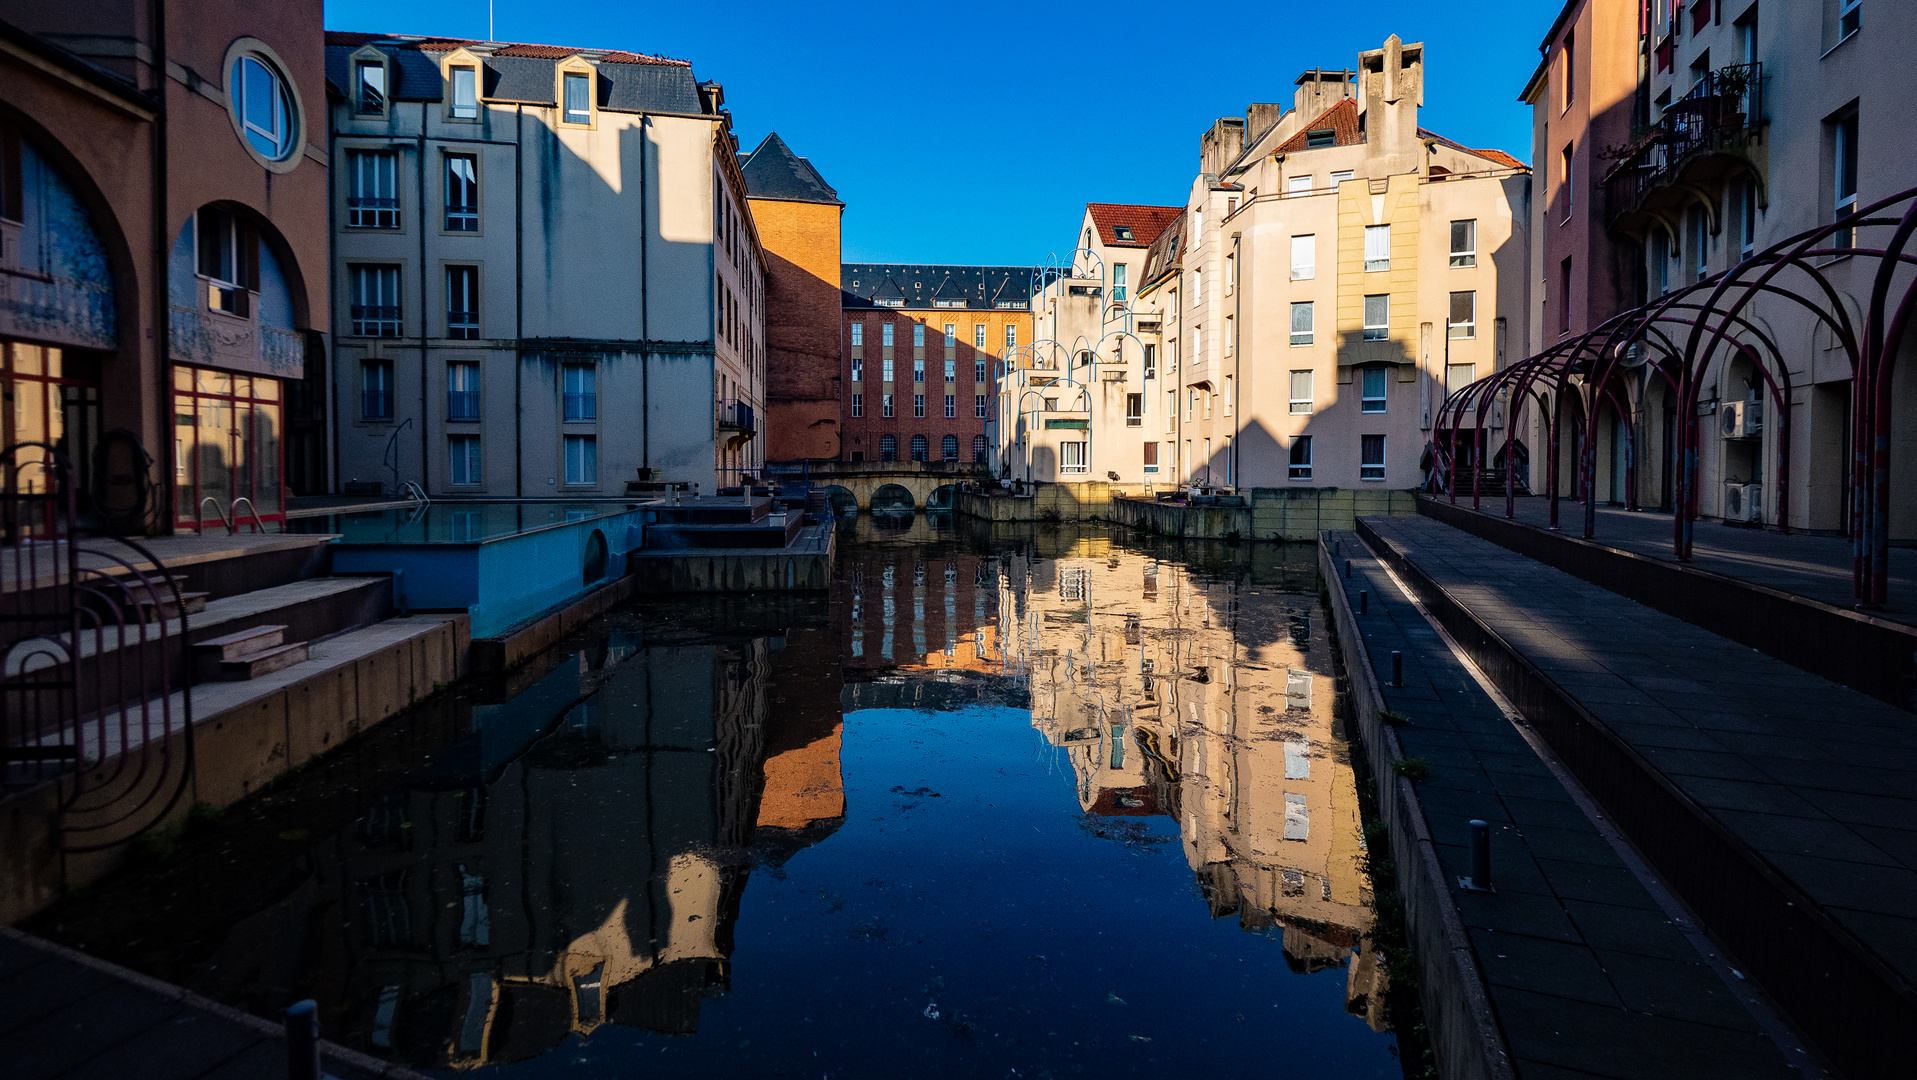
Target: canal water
(1038, 803)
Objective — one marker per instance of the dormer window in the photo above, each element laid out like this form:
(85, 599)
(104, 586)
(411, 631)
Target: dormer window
(578, 97)
(1123, 232)
(372, 87)
(1315, 140)
(464, 82)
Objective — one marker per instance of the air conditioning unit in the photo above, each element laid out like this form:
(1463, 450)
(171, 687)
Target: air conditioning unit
(1743, 502)
(1754, 417)
(1730, 420)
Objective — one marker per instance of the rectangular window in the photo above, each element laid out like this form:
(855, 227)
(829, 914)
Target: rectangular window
(1373, 400)
(951, 405)
(885, 369)
(1564, 296)
(1459, 376)
(1377, 317)
(978, 370)
(1304, 257)
(1844, 174)
(578, 98)
(1302, 323)
(858, 369)
(1746, 219)
(462, 302)
(918, 371)
(462, 193)
(1570, 69)
(462, 391)
(1151, 361)
(885, 405)
(978, 335)
(951, 367)
(918, 335)
(885, 334)
(581, 388)
(951, 335)
(1171, 410)
(372, 193)
(375, 308)
(1464, 243)
(1134, 410)
(1341, 176)
(466, 93)
(858, 334)
(462, 453)
(858, 404)
(1567, 164)
(1011, 335)
(1297, 185)
(1118, 282)
(1071, 457)
(918, 404)
(1151, 457)
(1850, 17)
(376, 389)
(582, 459)
(1300, 457)
(1371, 457)
(1377, 247)
(978, 406)
(372, 88)
(1464, 314)
(1301, 392)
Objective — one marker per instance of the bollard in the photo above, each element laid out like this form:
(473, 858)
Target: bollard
(399, 591)
(1364, 601)
(1397, 668)
(1347, 567)
(1480, 879)
(302, 1040)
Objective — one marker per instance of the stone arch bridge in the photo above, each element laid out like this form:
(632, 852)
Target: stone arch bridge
(893, 482)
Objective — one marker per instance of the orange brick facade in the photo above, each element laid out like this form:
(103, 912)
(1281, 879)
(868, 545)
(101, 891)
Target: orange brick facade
(802, 333)
(974, 371)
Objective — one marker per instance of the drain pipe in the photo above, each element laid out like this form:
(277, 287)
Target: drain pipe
(645, 332)
(519, 298)
(162, 257)
(425, 438)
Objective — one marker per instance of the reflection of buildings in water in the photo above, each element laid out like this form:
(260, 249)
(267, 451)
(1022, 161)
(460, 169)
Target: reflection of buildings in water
(541, 879)
(904, 610)
(1174, 695)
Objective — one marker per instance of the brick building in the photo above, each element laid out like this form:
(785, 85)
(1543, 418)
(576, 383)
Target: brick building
(797, 214)
(923, 347)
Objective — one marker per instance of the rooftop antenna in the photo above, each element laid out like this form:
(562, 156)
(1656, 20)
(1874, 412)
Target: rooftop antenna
(489, 22)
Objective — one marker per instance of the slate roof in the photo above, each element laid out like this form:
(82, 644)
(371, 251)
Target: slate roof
(519, 72)
(773, 171)
(980, 288)
(1144, 222)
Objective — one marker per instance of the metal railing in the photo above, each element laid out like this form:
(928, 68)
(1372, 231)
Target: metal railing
(580, 407)
(733, 415)
(1726, 105)
(376, 320)
(462, 404)
(375, 404)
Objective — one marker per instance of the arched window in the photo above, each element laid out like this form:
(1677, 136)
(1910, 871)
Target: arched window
(265, 109)
(948, 449)
(919, 447)
(978, 449)
(889, 448)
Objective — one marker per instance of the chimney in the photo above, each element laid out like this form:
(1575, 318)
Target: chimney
(1319, 90)
(1393, 88)
(1221, 145)
(1260, 118)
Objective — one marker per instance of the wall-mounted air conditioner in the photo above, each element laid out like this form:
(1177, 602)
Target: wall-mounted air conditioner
(1740, 419)
(1743, 502)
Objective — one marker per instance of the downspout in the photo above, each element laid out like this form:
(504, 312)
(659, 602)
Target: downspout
(519, 296)
(425, 439)
(162, 251)
(1237, 349)
(332, 307)
(645, 329)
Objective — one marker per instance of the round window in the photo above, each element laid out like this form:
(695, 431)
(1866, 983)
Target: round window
(264, 107)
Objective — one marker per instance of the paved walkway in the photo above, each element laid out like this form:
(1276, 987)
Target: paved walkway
(1587, 974)
(67, 1015)
(1815, 567)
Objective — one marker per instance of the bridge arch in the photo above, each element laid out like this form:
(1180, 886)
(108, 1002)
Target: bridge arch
(892, 497)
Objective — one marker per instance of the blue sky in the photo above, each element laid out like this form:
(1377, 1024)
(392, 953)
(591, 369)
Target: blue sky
(976, 133)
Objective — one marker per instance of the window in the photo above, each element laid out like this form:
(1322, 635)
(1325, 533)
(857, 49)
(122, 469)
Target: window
(375, 309)
(1377, 248)
(858, 369)
(1304, 257)
(1377, 317)
(978, 406)
(885, 370)
(465, 104)
(951, 405)
(948, 448)
(1570, 69)
(260, 99)
(1844, 173)
(858, 404)
(1564, 296)
(1850, 17)
(1341, 176)
(462, 391)
(858, 335)
(578, 87)
(582, 459)
(1459, 376)
(462, 193)
(1567, 165)
(372, 194)
(1371, 457)
(885, 335)
(1746, 218)
(1464, 243)
(920, 448)
(918, 370)
(885, 407)
(1118, 283)
(462, 302)
(1298, 185)
(1301, 392)
(1700, 243)
(978, 449)
(462, 453)
(1660, 265)
(951, 336)
(889, 448)
(376, 389)
(1071, 457)
(372, 87)
(1151, 457)
(227, 256)
(918, 335)
(951, 367)
(978, 335)
(1151, 361)
(918, 404)
(1323, 137)
(580, 386)
(1011, 335)
(1134, 410)
(1373, 400)
(1300, 457)
(978, 370)
(1301, 323)
(1464, 314)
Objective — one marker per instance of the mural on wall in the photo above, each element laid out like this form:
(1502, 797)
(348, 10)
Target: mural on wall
(55, 285)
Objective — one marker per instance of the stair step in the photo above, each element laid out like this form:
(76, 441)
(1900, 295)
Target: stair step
(167, 608)
(254, 665)
(245, 643)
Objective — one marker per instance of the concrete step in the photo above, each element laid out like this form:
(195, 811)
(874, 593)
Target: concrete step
(265, 662)
(166, 607)
(235, 646)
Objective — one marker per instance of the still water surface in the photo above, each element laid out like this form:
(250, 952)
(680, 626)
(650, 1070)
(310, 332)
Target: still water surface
(1040, 804)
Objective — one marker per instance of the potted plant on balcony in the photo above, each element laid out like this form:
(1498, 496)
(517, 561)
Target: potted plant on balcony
(1733, 84)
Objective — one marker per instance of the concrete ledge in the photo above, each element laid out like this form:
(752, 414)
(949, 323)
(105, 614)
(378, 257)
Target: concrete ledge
(806, 566)
(527, 639)
(1180, 520)
(1872, 656)
(1457, 1011)
(1837, 990)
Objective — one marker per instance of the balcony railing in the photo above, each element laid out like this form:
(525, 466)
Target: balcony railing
(375, 320)
(462, 404)
(462, 218)
(63, 309)
(734, 416)
(375, 405)
(581, 406)
(369, 212)
(1725, 106)
(462, 325)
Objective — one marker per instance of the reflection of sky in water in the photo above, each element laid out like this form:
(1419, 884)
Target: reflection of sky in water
(965, 882)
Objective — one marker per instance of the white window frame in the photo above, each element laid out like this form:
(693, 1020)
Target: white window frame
(1469, 327)
(1296, 469)
(1371, 471)
(1377, 248)
(858, 335)
(468, 109)
(1366, 402)
(1466, 256)
(951, 335)
(1309, 334)
(1302, 406)
(858, 404)
(1298, 184)
(978, 335)
(951, 406)
(1380, 330)
(582, 460)
(465, 459)
(1072, 458)
(1307, 269)
(372, 184)
(567, 114)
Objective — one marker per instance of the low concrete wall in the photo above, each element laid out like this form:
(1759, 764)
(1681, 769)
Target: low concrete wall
(1180, 520)
(995, 507)
(1457, 1011)
(740, 570)
(528, 639)
(1286, 514)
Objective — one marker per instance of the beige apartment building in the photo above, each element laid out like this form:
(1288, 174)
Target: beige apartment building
(548, 280)
(1335, 272)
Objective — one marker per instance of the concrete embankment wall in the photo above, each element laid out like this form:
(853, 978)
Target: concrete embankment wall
(1289, 514)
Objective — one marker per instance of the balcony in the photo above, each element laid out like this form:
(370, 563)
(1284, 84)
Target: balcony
(375, 320)
(49, 307)
(734, 416)
(580, 407)
(1721, 114)
(462, 404)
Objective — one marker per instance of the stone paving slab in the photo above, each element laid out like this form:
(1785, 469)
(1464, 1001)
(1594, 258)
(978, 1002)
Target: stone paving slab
(1586, 972)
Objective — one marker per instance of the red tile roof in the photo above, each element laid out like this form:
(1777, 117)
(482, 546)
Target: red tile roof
(522, 49)
(1497, 156)
(1145, 222)
(1341, 118)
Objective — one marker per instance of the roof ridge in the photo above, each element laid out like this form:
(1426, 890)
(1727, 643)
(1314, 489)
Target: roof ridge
(437, 43)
